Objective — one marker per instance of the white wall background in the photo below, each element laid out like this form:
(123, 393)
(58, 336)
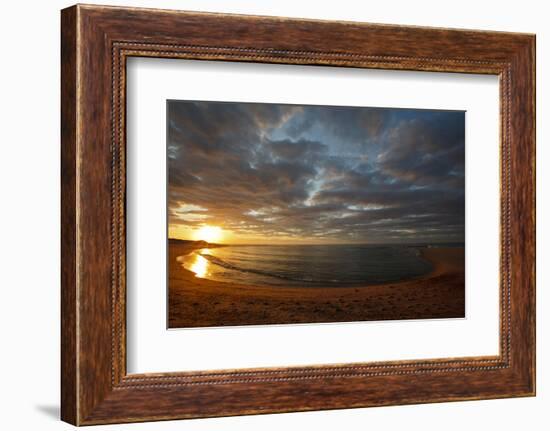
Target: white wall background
(29, 224)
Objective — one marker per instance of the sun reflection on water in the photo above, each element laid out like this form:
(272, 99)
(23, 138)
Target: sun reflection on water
(199, 265)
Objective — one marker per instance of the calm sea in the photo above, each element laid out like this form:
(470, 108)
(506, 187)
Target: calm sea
(308, 265)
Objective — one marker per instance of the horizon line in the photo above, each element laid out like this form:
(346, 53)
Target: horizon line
(317, 243)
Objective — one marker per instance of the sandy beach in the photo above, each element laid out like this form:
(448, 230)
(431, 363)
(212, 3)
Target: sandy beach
(199, 302)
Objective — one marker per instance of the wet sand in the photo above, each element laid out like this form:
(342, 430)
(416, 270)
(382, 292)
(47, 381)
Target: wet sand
(198, 302)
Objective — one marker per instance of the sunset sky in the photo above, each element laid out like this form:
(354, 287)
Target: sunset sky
(269, 173)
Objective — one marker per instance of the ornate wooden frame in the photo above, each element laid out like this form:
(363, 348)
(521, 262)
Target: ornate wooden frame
(95, 42)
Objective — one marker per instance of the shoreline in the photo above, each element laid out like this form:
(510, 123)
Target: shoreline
(429, 254)
(200, 302)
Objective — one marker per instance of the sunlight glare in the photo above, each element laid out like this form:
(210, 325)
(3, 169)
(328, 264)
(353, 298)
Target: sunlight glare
(209, 233)
(200, 266)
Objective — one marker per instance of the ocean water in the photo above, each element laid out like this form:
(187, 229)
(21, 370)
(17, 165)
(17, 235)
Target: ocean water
(308, 265)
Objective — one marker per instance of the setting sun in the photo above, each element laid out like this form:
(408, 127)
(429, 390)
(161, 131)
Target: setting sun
(209, 233)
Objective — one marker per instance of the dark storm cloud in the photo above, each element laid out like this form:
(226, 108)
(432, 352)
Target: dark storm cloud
(332, 173)
(427, 149)
(296, 150)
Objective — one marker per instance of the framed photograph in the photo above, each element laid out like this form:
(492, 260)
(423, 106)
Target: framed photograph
(284, 214)
(265, 215)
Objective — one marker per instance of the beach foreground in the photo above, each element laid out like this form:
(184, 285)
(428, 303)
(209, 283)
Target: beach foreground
(199, 302)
